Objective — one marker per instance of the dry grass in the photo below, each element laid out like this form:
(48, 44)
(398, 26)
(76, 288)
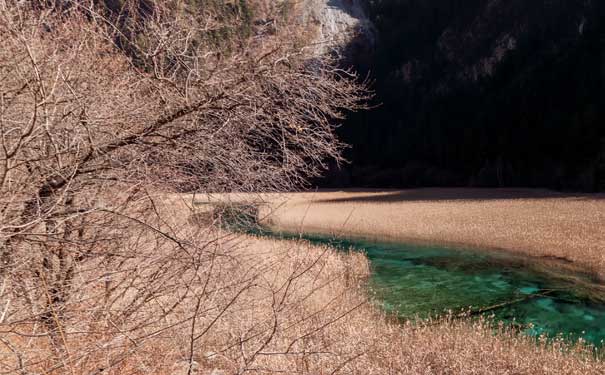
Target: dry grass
(295, 308)
(533, 222)
(326, 324)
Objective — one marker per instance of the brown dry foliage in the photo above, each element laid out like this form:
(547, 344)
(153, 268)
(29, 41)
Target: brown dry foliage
(538, 223)
(101, 113)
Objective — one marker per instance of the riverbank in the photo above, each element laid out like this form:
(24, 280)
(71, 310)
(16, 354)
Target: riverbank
(325, 321)
(554, 227)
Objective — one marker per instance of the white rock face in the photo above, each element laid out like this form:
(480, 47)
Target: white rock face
(338, 21)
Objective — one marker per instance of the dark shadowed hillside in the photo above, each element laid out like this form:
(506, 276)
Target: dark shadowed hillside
(482, 93)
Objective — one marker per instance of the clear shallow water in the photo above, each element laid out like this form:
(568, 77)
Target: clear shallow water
(420, 281)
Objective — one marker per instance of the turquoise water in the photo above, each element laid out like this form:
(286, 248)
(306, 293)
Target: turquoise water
(416, 281)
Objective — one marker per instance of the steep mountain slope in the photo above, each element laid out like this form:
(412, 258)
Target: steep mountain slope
(484, 93)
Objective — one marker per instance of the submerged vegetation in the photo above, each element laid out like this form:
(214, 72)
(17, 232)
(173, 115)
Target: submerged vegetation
(421, 281)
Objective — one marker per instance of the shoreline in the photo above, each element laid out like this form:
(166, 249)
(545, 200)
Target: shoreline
(553, 261)
(564, 269)
(560, 230)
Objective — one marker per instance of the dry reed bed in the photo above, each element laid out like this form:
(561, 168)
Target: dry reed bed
(307, 312)
(534, 222)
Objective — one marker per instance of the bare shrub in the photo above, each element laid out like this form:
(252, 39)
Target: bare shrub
(103, 112)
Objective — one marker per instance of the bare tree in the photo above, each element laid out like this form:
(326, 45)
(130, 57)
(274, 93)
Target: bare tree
(105, 111)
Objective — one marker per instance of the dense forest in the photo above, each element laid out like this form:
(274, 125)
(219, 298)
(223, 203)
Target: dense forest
(481, 93)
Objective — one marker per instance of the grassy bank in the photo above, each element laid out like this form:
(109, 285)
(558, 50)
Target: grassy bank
(543, 224)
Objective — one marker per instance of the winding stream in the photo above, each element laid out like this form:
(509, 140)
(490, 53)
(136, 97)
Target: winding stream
(420, 281)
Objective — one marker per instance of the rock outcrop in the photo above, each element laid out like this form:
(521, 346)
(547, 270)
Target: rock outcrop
(341, 26)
